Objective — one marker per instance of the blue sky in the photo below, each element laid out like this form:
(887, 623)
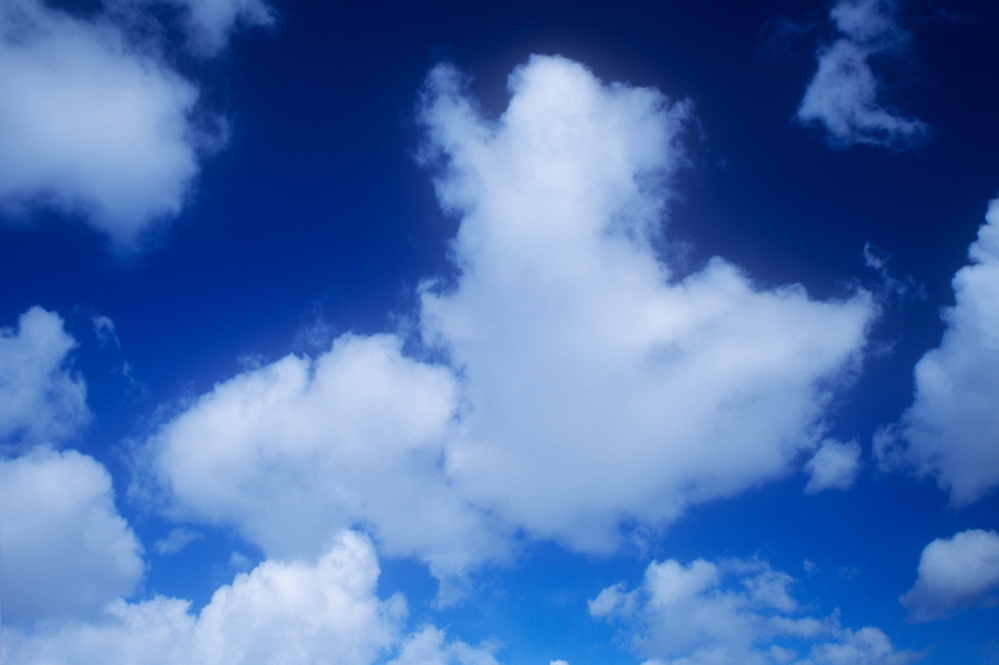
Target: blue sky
(513, 333)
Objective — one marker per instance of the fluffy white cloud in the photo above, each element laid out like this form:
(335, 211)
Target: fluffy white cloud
(955, 573)
(733, 612)
(952, 428)
(295, 613)
(833, 466)
(586, 385)
(66, 550)
(96, 123)
(40, 399)
(326, 612)
(843, 96)
(294, 451)
(597, 386)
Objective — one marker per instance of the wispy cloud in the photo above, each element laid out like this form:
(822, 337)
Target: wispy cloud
(845, 95)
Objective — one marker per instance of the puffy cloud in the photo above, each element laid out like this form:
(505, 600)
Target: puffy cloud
(843, 96)
(738, 612)
(322, 612)
(952, 428)
(955, 573)
(40, 399)
(585, 385)
(597, 386)
(833, 466)
(93, 121)
(66, 550)
(298, 449)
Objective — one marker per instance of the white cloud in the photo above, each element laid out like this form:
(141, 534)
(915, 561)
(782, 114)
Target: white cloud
(40, 399)
(66, 550)
(597, 386)
(955, 573)
(844, 94)
(586, 386)
(833, 466)
(734, 612)
(94, 122)
(178, 538)
(294, 451)
(295, 613)
(951, 429)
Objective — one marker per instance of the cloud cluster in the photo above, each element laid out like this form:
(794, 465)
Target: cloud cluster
(585, 385)
(94, 121)
(843, 95)
(729, 613)
(41, 400)
(294, 613)
(951, 429)
(66, 550)
(955, 573)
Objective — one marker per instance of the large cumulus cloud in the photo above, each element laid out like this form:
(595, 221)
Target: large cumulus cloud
(951, 431)
(598, 386)
(585, 384)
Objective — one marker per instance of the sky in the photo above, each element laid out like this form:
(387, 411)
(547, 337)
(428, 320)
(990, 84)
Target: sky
(476, 333)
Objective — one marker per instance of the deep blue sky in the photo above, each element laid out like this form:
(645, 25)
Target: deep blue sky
(316, 219)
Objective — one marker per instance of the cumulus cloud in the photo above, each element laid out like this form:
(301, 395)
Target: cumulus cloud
(844, 94)
(66, 550)
(597, 386)
(732, 612)
(584, 386)
(41, 400)
(292, 613)
(833, 466)
(94, 122)
(293, 451)
(955, 573)
(952, 427)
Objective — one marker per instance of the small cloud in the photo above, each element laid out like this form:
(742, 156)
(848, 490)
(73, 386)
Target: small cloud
(954, 574)
(176, 540)
(844, 95)
(834, 466)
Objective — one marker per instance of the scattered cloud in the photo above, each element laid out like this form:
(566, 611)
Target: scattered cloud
(844, 95)
(66, 550)
(41, 400)
(954, 574)
(94, 122)
(294, 613)
(952, 426)
(833, 466)
(732, 612)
